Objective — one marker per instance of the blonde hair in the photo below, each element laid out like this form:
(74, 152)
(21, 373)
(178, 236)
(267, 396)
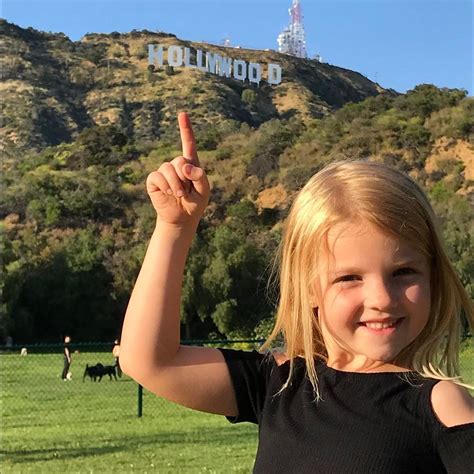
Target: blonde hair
(352, 191)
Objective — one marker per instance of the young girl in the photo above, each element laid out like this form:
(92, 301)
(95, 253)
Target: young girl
(370, 316)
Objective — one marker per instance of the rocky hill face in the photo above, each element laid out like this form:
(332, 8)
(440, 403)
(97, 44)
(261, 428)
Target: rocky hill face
(52, 87)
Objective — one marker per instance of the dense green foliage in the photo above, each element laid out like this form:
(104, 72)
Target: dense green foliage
(76, 218)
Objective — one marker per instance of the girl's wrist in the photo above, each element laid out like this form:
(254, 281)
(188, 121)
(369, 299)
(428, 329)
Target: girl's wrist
(176, 230)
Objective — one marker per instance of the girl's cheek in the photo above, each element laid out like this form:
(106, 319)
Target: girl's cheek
(347, 298)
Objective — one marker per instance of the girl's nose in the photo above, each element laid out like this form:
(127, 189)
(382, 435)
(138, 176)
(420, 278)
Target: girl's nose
(381, 295)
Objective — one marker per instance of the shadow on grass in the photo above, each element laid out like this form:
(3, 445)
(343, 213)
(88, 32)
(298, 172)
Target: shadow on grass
(230, 436)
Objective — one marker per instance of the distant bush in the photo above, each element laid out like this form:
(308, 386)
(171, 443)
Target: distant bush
(223, 153)
(151, 76)
(425, 99)
(140, 52)
(296, 177)
(117, 51)
(413, 135)
(98, 145)
(94, 52)
(274, 137)
(135, 33)
(208, 137)
(244, 212)
(197, 90)
(453, 122)
(81, 77)
(249, 96)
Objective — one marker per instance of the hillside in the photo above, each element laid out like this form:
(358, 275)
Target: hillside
(52, 87)
(75, 216)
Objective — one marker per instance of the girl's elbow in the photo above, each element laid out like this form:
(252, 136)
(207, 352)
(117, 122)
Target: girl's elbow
(132, 367)
(126, 364)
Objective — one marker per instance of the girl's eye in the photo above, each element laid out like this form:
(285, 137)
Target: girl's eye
(405, 271)
(348, 278)
(348, 281)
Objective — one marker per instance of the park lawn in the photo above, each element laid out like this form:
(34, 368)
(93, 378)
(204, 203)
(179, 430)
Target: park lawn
(466, 362)
(175, 442)
(53, 426)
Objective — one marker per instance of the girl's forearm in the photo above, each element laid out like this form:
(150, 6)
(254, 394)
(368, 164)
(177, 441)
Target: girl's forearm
(151, 329)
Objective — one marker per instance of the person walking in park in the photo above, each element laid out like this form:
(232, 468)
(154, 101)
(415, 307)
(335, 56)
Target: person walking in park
(116, 354)
(369, 311)
(67, 359)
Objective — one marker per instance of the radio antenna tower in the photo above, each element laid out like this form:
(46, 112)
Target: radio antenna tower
(292, 39)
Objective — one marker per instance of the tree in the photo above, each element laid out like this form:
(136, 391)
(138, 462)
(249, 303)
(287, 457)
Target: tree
(234, 282)
(195, 303)
(425, 99)
(98, 145)
(65, 289)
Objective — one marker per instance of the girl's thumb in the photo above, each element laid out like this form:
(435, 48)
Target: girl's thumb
(194, 173)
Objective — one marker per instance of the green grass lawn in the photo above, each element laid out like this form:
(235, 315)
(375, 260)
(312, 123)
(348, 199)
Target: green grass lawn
(53, 426)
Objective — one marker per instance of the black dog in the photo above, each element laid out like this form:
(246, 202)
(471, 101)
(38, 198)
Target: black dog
(109, 370)
(98, 371)
(94, 372)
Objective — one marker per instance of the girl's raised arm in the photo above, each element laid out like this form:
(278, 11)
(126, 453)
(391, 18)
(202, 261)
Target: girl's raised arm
(150, 351)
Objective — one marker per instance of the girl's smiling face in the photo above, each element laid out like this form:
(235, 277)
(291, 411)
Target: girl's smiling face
(375, 296)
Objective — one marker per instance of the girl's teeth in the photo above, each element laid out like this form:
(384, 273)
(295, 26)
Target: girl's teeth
(380, 325)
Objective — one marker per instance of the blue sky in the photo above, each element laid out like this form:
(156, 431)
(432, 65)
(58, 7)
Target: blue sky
(397, 43)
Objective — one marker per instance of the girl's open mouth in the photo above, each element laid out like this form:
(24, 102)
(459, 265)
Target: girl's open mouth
(382, 327)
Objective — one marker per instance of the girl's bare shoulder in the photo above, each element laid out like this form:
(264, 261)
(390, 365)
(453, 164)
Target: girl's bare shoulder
(452, 404)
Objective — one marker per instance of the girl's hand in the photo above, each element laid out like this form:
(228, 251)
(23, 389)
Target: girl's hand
(179, 190)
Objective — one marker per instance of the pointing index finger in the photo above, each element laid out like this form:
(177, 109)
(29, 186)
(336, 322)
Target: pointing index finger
(187, 138)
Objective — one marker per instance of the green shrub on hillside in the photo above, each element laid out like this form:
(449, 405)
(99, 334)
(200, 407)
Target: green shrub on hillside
(454, 122)
(249, 96)
(425, 99)
(94, 52)
(273, 138)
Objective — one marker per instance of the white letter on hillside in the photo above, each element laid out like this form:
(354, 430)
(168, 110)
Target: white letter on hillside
(225, 67)
(255, 73)
(187, 58)
(242, 75)
(175, 56)
(152, 54)
(213, 62)
(199, 63)
(274, 74)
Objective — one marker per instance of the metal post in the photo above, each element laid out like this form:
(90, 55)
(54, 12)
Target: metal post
(140, 401)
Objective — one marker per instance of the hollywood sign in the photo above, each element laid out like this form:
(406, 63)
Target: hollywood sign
(213, 63)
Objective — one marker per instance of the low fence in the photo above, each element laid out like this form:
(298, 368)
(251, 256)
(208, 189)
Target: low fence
(31, 382)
